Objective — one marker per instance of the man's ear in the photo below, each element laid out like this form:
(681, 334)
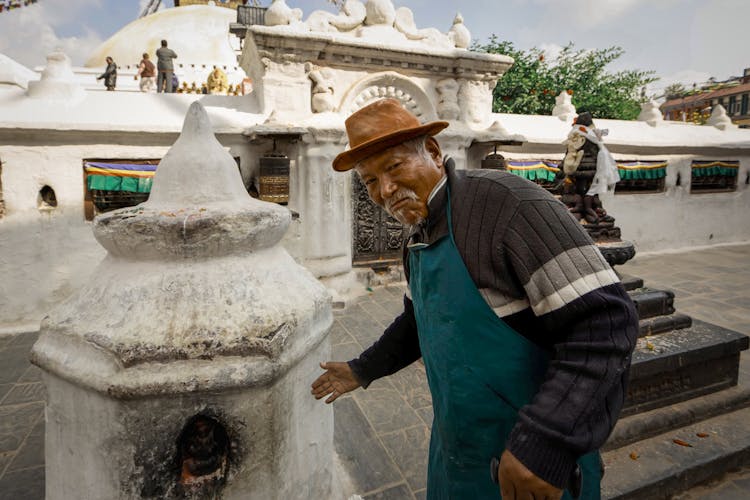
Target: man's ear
(433, 148)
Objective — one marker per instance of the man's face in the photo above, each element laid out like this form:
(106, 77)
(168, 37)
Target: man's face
(400, 180)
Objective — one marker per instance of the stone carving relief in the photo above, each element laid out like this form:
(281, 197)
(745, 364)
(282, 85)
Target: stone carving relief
(475, 101)
(389, 84)
(322, 89)
(447, 106)
(564, 108)
(377, 19)
(289, 69)
(352, 15)
(280, 14)
(377, 92)
(459, 33)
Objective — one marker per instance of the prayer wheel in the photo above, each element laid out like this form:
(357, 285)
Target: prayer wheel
(273, 183)
(494, 161)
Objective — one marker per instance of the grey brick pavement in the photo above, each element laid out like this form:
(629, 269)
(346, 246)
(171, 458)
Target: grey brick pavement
(383, 432)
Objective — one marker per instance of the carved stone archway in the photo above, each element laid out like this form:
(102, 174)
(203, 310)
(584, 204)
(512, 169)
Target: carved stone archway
(389, 84)
(377, 237)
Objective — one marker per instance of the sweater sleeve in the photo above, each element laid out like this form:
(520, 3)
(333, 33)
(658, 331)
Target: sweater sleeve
(395, 349)
(593, 327)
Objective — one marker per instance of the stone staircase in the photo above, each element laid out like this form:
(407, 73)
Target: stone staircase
(685, 417)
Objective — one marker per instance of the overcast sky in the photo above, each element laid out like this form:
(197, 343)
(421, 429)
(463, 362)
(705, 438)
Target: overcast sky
(681, 40)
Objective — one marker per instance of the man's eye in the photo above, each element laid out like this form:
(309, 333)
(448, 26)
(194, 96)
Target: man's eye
(394, 166)
(369, 182)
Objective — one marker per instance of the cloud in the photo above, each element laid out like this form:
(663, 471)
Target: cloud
(551, 51)
(34, 28)
(583, 13)
(686, 77)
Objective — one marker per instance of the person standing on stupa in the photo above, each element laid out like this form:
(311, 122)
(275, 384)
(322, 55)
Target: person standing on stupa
(165, 67)
(147, 72)
(110, 74)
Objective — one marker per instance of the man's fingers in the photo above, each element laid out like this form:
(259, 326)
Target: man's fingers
(333, 397)
(323, 379)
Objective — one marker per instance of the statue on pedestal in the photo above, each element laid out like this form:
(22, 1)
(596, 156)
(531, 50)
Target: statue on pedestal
(589, 170)
(217, 82)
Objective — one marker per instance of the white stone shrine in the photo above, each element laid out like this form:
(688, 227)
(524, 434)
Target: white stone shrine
(190, 378)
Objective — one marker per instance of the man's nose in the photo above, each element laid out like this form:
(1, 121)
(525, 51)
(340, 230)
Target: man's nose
(387, 187)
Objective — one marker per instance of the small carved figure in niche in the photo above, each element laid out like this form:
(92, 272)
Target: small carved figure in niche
(322, 90)
(204, 450)
(589, 171)
(217, 82)
(447, 106)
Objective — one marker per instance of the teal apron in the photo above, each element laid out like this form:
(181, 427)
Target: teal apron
(480, 372)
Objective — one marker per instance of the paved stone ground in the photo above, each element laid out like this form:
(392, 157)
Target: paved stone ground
(386, 454)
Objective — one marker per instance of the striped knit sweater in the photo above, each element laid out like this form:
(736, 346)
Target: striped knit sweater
(540, 272)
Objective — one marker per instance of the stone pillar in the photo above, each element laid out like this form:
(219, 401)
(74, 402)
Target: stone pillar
(182, 369)
(323, 199)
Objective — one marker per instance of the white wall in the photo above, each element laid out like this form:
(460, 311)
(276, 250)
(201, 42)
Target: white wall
(677, 218)
(46, 254)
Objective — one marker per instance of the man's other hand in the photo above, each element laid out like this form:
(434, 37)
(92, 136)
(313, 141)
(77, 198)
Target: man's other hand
(338, 379)
(517, 482)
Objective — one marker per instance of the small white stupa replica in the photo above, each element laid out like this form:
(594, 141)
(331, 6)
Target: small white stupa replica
(182, 368)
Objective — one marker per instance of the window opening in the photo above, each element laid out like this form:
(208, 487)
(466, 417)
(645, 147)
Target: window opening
(640, 177)
(714, 176)
(46, 199)
(113, 184)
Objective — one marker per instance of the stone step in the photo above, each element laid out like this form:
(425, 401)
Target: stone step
(631, 282)
(657, 468)
(652, 423)
(662, 324)
(683, 364)
(650, 303)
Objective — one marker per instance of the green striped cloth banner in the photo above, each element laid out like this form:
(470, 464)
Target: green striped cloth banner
(707, 168)
(534, 170)
(110, 183)
(637, 170)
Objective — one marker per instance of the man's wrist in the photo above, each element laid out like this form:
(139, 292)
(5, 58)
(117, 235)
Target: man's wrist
(542, 456)
(356, 368)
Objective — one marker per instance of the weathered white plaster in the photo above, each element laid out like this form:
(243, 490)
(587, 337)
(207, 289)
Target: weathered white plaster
(13, 73)
(57, 82)
(650, 113)
(196, 309)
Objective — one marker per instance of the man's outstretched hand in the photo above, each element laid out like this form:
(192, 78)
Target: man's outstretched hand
(338, 379)
(518, 482)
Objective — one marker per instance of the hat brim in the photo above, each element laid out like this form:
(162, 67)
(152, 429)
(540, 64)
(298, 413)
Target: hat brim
(349, 158)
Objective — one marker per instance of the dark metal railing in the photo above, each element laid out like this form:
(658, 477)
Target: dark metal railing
(248, 15)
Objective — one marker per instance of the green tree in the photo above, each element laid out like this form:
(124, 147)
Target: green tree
(532, 83)
(675, 91)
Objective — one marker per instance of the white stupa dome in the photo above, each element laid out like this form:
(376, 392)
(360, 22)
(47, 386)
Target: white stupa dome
(199, 34)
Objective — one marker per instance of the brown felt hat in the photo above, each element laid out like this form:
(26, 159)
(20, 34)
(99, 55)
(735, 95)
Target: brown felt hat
(381, 125)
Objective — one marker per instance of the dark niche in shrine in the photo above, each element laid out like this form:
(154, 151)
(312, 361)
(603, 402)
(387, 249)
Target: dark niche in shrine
(378, 237)
(203, 448)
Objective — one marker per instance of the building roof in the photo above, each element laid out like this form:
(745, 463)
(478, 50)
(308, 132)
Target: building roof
(695, 99)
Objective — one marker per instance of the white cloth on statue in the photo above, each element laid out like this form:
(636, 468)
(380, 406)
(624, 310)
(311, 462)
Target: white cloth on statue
(606, 175)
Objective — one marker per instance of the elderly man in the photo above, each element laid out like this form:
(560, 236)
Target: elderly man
(525, 331)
